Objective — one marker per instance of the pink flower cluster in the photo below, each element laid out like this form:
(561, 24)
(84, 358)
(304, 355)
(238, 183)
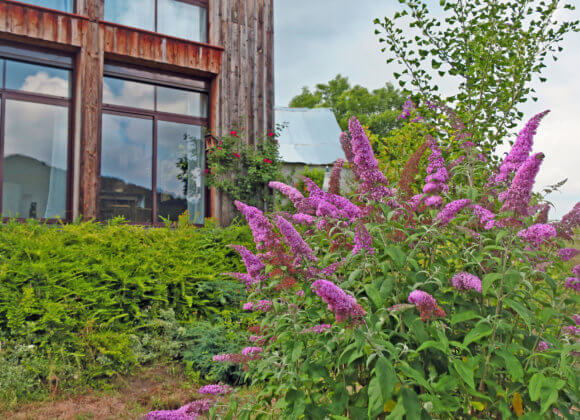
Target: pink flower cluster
(253, 264)
(189, 411)
(543, 346)
(339, 302)
(438, 176)
(520, 150)
(408, 106)
(569, 222)
(537, 234)
(426, 304)
(216, 389)
(466, 281)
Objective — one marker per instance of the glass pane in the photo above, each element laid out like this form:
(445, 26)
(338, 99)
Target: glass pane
(178, 101)
(182, 20)
(135, 13)
(126, 173)
(64, 5)
(37, 79)
(35, 160)
(128, 93)
(180, 152)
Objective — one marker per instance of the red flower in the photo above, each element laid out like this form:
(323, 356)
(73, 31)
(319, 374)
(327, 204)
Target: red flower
(265, 160)
(271, 134)
(237, 155)
(270, 161)
(219, 148)
(234, 133)
(206, 171)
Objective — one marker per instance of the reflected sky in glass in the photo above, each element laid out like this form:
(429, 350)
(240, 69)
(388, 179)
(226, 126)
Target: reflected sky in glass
(135, 13)
(178, 101)
(126, 168)
(128, 93)
(64, 5)
(179, 170)
(182, 20)
(35, 160)
(37, 79)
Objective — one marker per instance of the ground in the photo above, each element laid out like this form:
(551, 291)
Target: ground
(155, 388)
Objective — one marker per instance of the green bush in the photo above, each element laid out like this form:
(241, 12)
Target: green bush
(89, 301)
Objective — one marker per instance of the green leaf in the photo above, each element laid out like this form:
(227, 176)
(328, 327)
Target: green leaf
(520, 310)
(488, 280)
(464, 371)
(535, 388)
(397, 255)
(411, 404)
(387, 377)
(374, 295)
(482, 329)
(513, 365)
(297, 350)
(464, 316)
(376, 402)
(433, 344)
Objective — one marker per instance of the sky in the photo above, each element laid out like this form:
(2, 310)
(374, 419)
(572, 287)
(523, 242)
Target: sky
(316, 40)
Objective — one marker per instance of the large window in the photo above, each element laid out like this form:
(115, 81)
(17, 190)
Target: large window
(180, 18)
(152, 153)
(34, 136)
(64, 5)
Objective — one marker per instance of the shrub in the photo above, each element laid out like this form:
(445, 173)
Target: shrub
(91, 301)
(451, 303)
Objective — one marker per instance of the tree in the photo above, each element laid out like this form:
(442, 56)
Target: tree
(378, 109)
(491, 48)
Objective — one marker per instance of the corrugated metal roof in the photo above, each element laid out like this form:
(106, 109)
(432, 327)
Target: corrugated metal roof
(311, 136)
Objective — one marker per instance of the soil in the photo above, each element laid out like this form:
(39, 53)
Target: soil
(158, 388)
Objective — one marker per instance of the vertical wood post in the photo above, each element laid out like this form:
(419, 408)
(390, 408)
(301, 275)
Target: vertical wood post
(90, 61)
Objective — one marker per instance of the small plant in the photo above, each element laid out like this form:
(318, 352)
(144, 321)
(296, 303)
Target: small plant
(242, 170)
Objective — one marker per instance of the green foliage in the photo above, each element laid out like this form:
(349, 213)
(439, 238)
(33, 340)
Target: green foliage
(242, 170)
(489, 50)
(315, 174)
(82, 302)
(377, 109)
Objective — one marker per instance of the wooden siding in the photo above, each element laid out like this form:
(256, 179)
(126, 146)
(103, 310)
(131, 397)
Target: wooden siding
(245, 28)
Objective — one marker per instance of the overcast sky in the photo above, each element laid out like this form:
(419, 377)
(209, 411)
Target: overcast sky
(317, 39)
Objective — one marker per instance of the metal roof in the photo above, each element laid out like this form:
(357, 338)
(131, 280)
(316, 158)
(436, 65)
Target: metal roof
(311, 136)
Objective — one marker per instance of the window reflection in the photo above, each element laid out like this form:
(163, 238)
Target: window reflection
(37, 79)
(126, 168)
(128, 93)
(178, 101)
(135, 13)
(64, 5)
(180, 154)
(182, 20)
(35, 160)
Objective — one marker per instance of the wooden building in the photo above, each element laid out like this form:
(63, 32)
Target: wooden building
(105, 104)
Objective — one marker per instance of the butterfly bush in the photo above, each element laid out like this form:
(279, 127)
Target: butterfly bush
(450, 296)
(215, 389)
(189, 411)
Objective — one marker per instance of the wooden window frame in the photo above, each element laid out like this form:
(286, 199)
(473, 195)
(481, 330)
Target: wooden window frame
(142, 75)
(12, 52)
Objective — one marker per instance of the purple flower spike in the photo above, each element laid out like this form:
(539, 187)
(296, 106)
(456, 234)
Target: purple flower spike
(572, 283)
(262, 229)
(520, 150)
(576, 271)
(466, 281)
(543, 346)
(450, 210)
(294, 240)
(252, 263)
(339, 302)
(362, 240)
(485, 216)
(426, 304)
(537, 234)
(190, 411)
(303, 219)
(252, 350)
(568, 223)
(216, 389)
(568, 253)
(517, 197)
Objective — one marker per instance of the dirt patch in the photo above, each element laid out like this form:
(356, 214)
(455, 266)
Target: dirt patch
(159, 388)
